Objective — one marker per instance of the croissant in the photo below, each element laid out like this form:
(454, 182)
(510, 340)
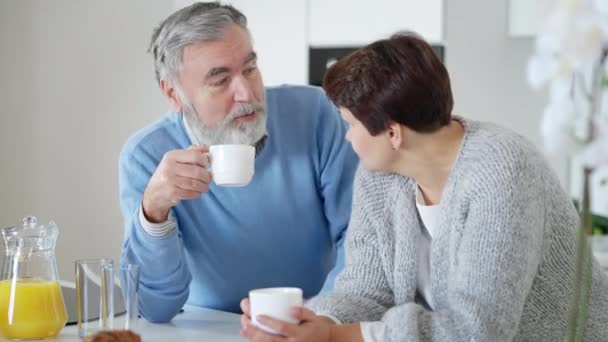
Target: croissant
(113, 336)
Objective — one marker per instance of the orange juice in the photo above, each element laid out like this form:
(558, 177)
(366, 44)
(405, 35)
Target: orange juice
(38, 312)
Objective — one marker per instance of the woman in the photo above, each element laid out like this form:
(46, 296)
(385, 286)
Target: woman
(459, 229)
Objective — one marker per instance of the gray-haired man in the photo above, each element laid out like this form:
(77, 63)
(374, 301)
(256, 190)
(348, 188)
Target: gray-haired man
(209, 245)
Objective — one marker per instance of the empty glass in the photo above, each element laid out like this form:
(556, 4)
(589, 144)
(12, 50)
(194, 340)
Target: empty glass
(129, 280)
(95, 295)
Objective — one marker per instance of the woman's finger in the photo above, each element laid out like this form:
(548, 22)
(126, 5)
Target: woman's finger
(303, 314)
(281, 327)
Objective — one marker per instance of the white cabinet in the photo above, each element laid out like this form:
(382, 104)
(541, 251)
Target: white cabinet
(278, 28)
(358, 22)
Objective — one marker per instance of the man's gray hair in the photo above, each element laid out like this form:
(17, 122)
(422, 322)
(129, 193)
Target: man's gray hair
(197, 23)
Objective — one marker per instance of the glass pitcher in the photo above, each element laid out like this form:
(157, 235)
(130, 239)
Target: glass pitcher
(31, 302)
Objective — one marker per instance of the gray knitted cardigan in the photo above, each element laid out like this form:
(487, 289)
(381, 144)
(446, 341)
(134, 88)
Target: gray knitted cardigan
(502, 265)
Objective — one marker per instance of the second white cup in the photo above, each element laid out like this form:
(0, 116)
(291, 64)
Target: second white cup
(275, 302)
(232, 165)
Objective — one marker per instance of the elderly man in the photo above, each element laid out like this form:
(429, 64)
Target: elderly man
(209, 245)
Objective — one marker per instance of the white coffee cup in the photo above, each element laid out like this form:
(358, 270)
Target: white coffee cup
(275, 302)
(232, 165)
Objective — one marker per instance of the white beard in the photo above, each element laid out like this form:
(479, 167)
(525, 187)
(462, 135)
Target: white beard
(228, 131)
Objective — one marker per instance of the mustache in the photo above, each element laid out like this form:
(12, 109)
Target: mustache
(244, 109)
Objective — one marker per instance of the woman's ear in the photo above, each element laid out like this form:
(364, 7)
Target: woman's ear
(395, 135)
(172, 95)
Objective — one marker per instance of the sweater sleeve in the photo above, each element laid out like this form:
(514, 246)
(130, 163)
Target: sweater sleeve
(164, 275)
(361, 291)
(496, 262)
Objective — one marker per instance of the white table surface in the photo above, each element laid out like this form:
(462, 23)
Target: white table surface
(194, 324)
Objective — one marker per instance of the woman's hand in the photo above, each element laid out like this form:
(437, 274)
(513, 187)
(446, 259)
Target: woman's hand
(312, 328)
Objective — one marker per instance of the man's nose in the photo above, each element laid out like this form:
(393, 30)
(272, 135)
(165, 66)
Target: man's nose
(242, 90)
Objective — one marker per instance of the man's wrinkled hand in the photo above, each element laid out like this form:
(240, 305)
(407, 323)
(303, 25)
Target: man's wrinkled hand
(181, 175)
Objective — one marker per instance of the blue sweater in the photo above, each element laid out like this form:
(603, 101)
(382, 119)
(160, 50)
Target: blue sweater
(283, 229)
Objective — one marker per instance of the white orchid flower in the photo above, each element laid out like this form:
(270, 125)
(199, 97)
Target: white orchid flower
(575, 35)
(561, 87)
(556, 126)
(578, 32)
(541, 69)
(602, 8)
(571, 41)
(596, 153)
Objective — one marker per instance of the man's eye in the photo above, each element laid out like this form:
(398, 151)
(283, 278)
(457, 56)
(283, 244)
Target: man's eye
(249, 70)
(221, 82)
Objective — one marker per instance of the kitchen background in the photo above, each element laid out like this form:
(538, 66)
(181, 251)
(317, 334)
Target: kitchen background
(75, 82)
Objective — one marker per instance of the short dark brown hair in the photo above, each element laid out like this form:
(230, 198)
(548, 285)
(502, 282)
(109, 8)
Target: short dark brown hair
(399, 79)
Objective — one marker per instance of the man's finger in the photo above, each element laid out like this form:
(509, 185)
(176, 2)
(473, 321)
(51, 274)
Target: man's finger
(194, 156)
(193, 171)
(181, 194)
(191, 185)
(201, 148)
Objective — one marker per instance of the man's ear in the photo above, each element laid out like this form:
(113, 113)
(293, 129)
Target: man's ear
(396, 135)
(172, 95)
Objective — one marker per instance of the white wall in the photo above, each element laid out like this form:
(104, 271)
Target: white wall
(487, 67)
(75, 81)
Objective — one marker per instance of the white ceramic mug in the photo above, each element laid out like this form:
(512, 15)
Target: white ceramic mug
(232, 165)
(275, 302)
